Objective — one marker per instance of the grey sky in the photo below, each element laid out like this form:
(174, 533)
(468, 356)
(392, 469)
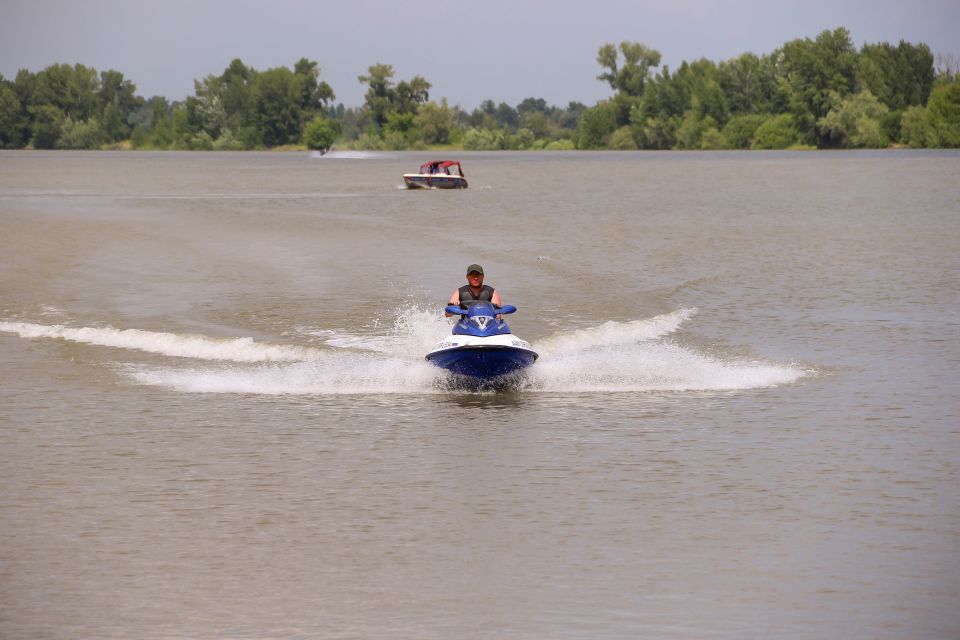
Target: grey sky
(469, 51)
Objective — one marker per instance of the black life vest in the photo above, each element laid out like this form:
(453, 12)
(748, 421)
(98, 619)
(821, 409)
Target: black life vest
(467, 298)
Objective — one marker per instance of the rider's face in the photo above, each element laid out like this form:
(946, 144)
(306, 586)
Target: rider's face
(475, 279)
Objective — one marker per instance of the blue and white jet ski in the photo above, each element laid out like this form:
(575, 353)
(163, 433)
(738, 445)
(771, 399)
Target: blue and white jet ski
(482, 349)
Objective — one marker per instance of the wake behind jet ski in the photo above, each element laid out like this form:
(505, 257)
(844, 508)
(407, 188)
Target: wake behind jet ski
(482, 349)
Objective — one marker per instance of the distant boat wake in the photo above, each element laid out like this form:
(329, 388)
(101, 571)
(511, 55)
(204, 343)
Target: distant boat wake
(614, 357)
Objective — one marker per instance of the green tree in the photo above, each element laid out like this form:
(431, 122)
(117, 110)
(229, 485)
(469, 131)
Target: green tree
(749, 83)
(316, 94)
(484, 140)
(277, 101)
(568, 118)
(25, 86)
(483, 116)
(185, 124)
(740, 130)
(629, 76)
(561, 145)
(72, 90)
(379, 97)
(536, 122)
(692, 128)
(506, 116)
(47, 126)
(244, 108)
(663, 98)
(68, 106)
(596, 124)
(532, 105)
(713, 139)
(161, 123)
(696, 87)
(943, 112)
(409, 96)
(118, 102)
(152, 125)
(812, 74)
(210, 111)
(435, 122)
(622, 139)
(915, 129)
(399, 128)
(320, 134)
(12, 130)
(237, 98)
(778, 132)
(677, 108)
(524, 139)
(655, 132)
(856, 121)
(79, 135)
(900, 76)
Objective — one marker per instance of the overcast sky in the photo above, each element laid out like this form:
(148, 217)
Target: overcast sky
(503, 50)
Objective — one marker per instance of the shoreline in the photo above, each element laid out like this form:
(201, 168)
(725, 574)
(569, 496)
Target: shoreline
(127, 147)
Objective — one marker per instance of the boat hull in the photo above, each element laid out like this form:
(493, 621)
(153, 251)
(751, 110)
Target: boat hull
(433, 181)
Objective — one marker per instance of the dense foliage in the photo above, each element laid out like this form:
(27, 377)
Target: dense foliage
(821, 93)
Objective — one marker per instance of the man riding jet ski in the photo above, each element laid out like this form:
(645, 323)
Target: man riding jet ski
(473, 291)
(481, 347)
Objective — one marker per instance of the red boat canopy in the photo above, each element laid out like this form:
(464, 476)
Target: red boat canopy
(441, 166)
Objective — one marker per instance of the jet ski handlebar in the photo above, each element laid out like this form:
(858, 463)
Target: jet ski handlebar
(456, 310)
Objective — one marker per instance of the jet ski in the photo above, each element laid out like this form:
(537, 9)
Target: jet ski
(482, 349)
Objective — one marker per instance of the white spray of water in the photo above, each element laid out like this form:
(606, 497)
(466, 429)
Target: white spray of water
(615, 334)
(167, 344)
(347, 155)
(413, 332)
(613, 357)
(633, 356)
(336, 374)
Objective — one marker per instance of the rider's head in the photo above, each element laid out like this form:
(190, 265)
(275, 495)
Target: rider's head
(475, 275)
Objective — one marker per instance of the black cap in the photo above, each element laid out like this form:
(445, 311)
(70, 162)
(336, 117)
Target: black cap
(474, 267)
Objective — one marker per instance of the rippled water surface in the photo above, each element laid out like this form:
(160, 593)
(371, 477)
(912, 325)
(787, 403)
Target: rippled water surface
(216, 420)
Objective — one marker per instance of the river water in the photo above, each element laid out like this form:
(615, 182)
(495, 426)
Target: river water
(216, 420)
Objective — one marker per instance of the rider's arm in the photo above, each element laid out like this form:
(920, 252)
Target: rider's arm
(495, 299)
(454, 300)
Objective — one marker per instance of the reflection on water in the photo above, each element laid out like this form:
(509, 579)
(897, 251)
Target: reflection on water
(499, 400)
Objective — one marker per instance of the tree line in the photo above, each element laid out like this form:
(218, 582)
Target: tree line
(821, 93)
(809, 93)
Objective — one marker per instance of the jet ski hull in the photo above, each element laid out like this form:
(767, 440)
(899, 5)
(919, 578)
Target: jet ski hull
(482, 352)
(482, 362)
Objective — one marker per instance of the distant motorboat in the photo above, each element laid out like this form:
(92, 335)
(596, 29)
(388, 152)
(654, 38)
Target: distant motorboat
(438, 174)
